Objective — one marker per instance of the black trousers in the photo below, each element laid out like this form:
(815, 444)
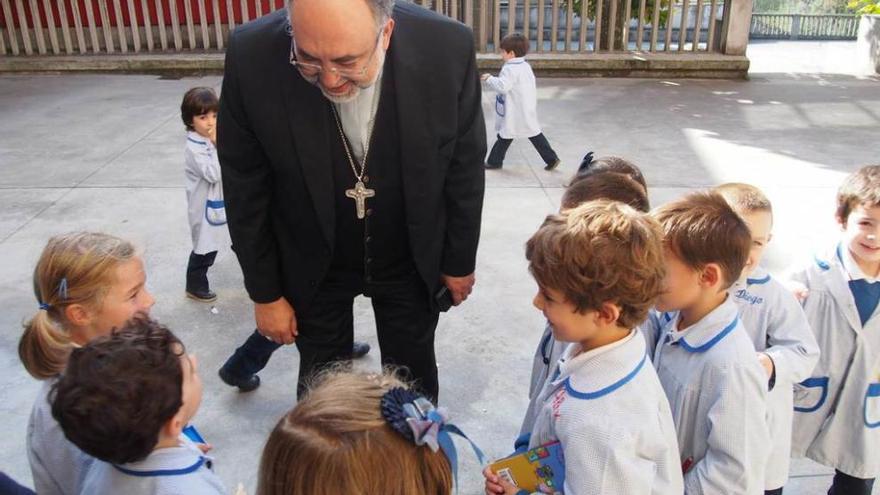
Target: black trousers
(405, 324)
(499, 150)
(845, 484)
(197, 271)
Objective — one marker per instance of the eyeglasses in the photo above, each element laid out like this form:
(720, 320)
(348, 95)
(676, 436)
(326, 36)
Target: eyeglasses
(312, 70)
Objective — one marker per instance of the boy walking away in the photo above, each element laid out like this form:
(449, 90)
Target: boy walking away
(126, 399)
(777, 325)
(204, 190)
(599, 269)
(837, 409)
(516, 104)
(716, 387)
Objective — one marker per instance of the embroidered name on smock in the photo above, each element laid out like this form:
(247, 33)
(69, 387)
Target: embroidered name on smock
(748, 297)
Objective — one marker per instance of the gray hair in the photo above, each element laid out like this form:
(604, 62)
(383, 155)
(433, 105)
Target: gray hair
(382, 10)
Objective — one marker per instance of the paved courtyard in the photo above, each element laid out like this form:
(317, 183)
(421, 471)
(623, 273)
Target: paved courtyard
(104, 152)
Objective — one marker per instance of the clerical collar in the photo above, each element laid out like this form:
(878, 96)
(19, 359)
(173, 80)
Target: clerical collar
(357, 115)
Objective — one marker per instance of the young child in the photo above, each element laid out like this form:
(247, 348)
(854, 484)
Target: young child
(837, 409)
(125, 399)
(777, 325)
(86, 284)
(616, 164)
(204, 190)
(703, 356)
(350, 434)
(516, 105)
(599, 268)
(607, 185)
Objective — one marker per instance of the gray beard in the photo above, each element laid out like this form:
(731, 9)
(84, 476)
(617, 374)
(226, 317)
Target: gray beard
(356, 87)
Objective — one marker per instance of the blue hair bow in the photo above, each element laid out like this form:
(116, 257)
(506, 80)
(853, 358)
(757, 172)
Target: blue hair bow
(418, 420)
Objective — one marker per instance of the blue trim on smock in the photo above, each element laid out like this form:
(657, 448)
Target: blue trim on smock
(162, 472)
(708, 345)
(820, 381)
(196, 141)
(758, 281)
(607, 390)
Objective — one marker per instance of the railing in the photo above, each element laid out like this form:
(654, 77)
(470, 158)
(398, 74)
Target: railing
(625, 25)
(74, 27)
(803, 26)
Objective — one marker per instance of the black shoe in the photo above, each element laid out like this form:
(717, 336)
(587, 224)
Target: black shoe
(359, 349)
(551, 166)
(490, 166)
(202, 296)
(248, 384)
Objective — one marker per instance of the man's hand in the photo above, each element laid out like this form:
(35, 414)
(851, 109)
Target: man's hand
(276, 321)
(459, 287)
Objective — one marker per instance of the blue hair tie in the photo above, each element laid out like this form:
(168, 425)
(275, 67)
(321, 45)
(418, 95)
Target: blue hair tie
(62, 288)
(45, 306)
(415, 417)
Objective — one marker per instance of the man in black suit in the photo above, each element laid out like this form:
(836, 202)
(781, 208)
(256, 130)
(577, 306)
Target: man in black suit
(351, 140)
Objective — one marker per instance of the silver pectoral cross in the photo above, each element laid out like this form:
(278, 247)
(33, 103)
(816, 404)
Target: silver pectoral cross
(359, 194)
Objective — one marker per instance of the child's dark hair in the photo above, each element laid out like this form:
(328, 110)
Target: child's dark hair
(861, 187)
(701, 228)
(119, 390)
(516, 43)
(197, 101)
(606, 185)
(589, 166)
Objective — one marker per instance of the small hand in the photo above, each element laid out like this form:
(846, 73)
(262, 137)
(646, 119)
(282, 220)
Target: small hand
(799, 290)
(493, 482)
(204, 447)
(459, 287)
(485, 77)
(767, 363)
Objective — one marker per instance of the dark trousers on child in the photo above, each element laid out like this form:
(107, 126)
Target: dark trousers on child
(845, 484)
(405, 325)
(197, 271)
(496, 156)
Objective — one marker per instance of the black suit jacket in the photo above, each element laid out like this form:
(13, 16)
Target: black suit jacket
(275, 130)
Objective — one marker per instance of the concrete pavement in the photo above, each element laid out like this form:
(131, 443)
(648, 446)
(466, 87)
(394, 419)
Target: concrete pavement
(104, 152)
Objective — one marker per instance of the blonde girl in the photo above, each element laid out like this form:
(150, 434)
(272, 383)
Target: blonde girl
(86, 284)
(343, 438)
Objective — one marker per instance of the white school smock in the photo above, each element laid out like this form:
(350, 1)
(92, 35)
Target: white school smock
(58, 466)
(546, 355)
(172, 471)
(608, 410)
(717, 391)
(516, 104)
(778, 327)
(837, 409)
(202, 170)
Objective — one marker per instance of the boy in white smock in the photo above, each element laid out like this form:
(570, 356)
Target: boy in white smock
(126, 399)
(516, 104)
(616, 184)
(705, 360)
(837, 409)
(777, 325)
(599, 269)
(204, 190)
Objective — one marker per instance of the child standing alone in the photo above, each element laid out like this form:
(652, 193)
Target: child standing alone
(204, 190)
(516, 104)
